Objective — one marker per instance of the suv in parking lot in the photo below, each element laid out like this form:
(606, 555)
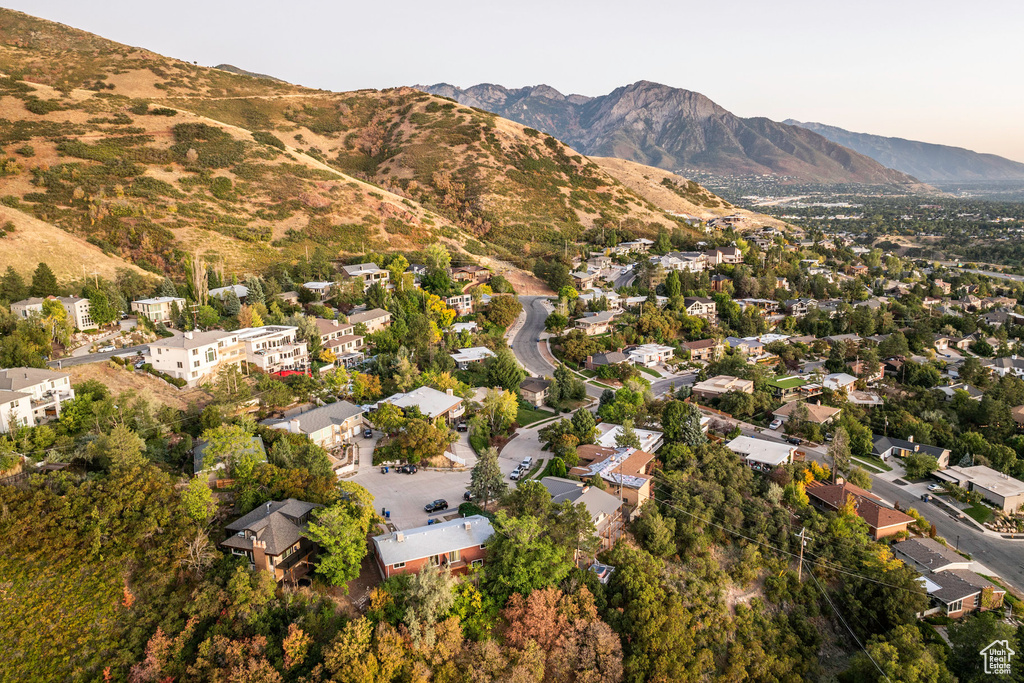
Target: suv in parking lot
(516, 474)
(436, 506)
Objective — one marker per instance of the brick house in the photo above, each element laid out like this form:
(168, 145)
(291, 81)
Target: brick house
(882, 520)
(455, 545)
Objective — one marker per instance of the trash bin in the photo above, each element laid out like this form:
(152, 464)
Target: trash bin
(387, 515)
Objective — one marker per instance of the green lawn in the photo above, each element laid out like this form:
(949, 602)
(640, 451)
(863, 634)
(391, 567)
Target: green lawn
(865, 464)
(875, 462)
(588, 373)
(979, 513)
(648, 371)
(528, 415)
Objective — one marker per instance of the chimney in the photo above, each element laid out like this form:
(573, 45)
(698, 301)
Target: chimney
(910, 438)
(268, 507)
(400, 537)
(336, 323)
(467, 525)
(259, 555)
(188, 335)
(450, 392)
(293, 427)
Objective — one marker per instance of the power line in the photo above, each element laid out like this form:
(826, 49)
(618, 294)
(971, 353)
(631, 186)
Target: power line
(852, 634)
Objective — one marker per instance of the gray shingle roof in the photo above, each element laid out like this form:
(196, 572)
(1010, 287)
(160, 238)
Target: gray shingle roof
(314, 420)
(367, 316)
(884, 443)
(534, 384)
(929, 553)
(276, 523)
(15, 379)
(953, 586)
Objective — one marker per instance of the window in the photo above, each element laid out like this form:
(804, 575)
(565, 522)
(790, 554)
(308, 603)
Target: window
(195, 352)
(238, 551)
(455, 556)
(477, 563)
(483, 547)
(435, 560)
(211, 355)
(955, 606)
(195, 364)
(398, 565)
(180, 364)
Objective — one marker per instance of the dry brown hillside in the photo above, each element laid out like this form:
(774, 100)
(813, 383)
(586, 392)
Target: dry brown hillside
(151, 158)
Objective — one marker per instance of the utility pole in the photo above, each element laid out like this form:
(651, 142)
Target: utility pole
(800, 565)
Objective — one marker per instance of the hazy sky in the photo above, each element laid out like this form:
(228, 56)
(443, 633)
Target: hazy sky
(937, 71)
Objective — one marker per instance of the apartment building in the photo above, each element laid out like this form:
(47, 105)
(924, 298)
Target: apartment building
(158, 309)
(77, 309)
(31, 396)
(274, 348)
(196, 357)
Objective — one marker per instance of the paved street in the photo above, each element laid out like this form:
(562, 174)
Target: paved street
(524, 344)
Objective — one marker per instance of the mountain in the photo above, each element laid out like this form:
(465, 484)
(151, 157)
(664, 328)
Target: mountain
(235, 70)
(151, 159)
(674, 129)
(924, 160)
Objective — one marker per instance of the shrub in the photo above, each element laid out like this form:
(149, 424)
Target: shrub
(266, 138)
(164, 111)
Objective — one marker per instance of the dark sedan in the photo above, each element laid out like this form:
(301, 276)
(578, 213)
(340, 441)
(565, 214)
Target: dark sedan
(436, 506)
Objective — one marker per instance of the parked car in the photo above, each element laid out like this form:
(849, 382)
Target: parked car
(776, 423)
(516, 473)
(467, 496)
(407, 469)
(105, 349)
(462, 427)
(794, 440)
(934, 487)
(436, 506)
(367, 433)
(139, 364)
(527, 463)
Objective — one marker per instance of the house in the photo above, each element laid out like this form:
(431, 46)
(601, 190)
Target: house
(241, 291)
(534, 390)
(927, 555)
(649, 355)
(748, 347)
(329, 426)
(1007, 365)
(270, 537)
(606, 358)
(864, 398)
(274, 348)
(375, 319)
(863, 370)
(953, 588)
(721, 384)
(462, 304)
(321, 289)
(196, 357)
(704, 349)
(798, 308)
(459, 328)
(593, 324)
(851, 340)
(682, 261)
(607, 433)
(838, 381)
(887, 446)
(470, 273)
(997, 488)
(430, 402)
(763, 306)
(718, 282)
(956, 592)
(340, 339)
(584, 279)
(32, 396)
(158, 309)
(640, 246)
(474, 354)
(626, 470)
(881, 519)
(255, 448)
(816, 413)
(604, 508)
(368, 274)
(455, 545)
(290, 297)
(761, 454)
(727, 255)
(973, 393)
(786, 389)
(700, 307)
(613, 300)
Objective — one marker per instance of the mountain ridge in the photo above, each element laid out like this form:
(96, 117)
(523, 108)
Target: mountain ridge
(930, 162)
(672, 128)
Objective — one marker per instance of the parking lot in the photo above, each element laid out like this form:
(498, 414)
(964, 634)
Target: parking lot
(404, 495)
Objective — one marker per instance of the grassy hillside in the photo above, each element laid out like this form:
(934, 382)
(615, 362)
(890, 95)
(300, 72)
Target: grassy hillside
(149, 158)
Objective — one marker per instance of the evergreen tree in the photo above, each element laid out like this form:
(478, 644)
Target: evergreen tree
(44, 282)
(584, 426)
(627, 436)
(486, 480)
(167, 288)
(12, 286)
(504, 371)
(256, 294)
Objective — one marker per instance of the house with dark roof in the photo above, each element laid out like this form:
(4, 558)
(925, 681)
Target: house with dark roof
(270, 537)
(704, 349)
(604, 508)
(887, 446)
(534, 390)
(927, 555)
(881, 519)
(953, 588)
(606, 358)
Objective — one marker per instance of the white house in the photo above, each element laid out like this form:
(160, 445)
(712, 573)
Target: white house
(158, 309)
(474, 354)
(274, 348)
(241, 291)
(431, 402)
(320, 288)
(650, 355)
(761, 454)
(328, 426)
(196, 357)
(368, 274)
(838, 381)
(31, 396)
(650, 440)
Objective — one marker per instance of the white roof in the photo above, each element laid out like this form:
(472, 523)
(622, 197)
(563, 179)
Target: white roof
(838, 380)
(464, 327)
(473, 353)
(435, 539)
(317, 285)
(651, 348)
(158, 300)
(430, 401)
(249, 333)
(606, 433)
(761, 450)
(241, 291)
(990, 479)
